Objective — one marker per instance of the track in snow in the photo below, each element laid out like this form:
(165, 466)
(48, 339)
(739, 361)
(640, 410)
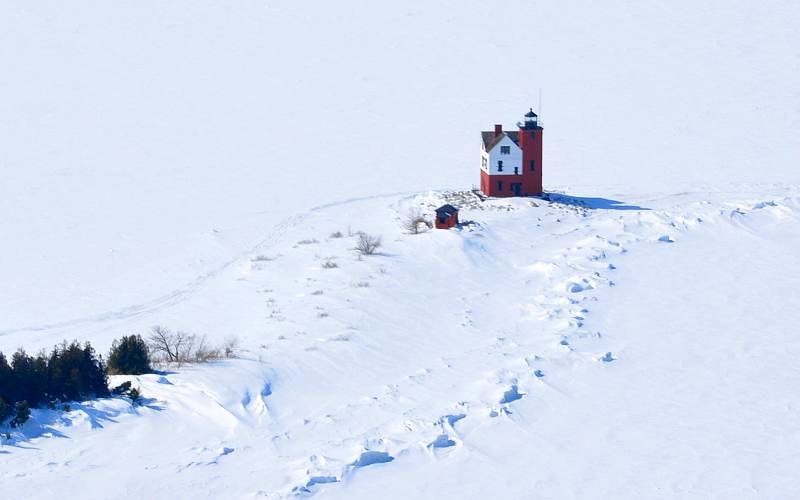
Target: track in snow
(183, 293)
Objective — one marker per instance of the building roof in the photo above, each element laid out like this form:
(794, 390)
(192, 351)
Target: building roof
(490, 141)
(446, 210)
(530, 114)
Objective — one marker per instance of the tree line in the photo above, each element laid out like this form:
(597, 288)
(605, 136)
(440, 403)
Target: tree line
(75, 372)
(69, 372)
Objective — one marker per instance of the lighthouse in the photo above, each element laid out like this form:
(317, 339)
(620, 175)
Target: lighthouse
(511, 161)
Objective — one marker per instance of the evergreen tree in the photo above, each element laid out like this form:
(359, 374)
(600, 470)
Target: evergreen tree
(55, 375)
(96, 373)
(5, 410)
(129, 356)
(70, 372)
(22, 413)
(74, 372)
(29, 378)
(6, 378)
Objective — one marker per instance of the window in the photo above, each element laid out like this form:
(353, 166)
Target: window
(483, 161)
(499, 165)
(533, 165)
(499, 185)
(516, 170)
(505, 150)
(533, 136)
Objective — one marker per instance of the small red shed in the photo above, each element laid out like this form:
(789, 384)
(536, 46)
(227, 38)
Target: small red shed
(446, 217)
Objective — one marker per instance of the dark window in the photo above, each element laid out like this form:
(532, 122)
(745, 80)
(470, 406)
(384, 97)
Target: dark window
(499, 165)
(516, 170)
(533, 136)
(499, 185)
(533, 165)
(505, 150)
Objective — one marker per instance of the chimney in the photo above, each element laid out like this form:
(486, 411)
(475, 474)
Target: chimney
(498, 130)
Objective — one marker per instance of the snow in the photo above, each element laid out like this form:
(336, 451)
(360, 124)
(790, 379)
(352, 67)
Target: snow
(699, 401)
(187, 164)
(517, 366)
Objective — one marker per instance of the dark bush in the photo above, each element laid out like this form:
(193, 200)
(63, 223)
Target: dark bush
(76, 373)
(123, 388)
(6, 379)
(5, 410)
(135, 396)
(69, 372)
(129, 356)
(21, 413)
(29, 378)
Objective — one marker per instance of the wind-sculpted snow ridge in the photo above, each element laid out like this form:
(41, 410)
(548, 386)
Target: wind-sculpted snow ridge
(357, 367)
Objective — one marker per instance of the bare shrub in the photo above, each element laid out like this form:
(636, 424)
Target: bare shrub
(337, 234)
(416, 223)
(329, 264)
(367, 244)
(308, 241)
(361, 284)
(181, 347)
(231, 347)
(203, 351)
(262, 258)
(172, 347)
(317, 292)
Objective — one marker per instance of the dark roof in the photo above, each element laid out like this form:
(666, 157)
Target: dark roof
(490, 141)
(446, 210)
(530, 114)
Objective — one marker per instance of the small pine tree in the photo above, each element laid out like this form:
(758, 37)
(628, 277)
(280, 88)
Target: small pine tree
(22, 413)
(129, 356)
(135, 396)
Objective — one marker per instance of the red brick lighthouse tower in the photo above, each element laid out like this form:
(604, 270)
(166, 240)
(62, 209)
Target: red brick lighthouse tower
(530, 142)
(511, 162)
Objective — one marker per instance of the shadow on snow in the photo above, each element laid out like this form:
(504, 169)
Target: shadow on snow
(591, 203)
(45, 423)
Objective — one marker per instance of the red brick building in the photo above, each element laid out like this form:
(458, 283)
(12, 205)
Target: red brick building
(511, 162)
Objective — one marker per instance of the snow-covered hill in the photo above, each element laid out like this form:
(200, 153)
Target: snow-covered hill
(577, 347)
(186, 164)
